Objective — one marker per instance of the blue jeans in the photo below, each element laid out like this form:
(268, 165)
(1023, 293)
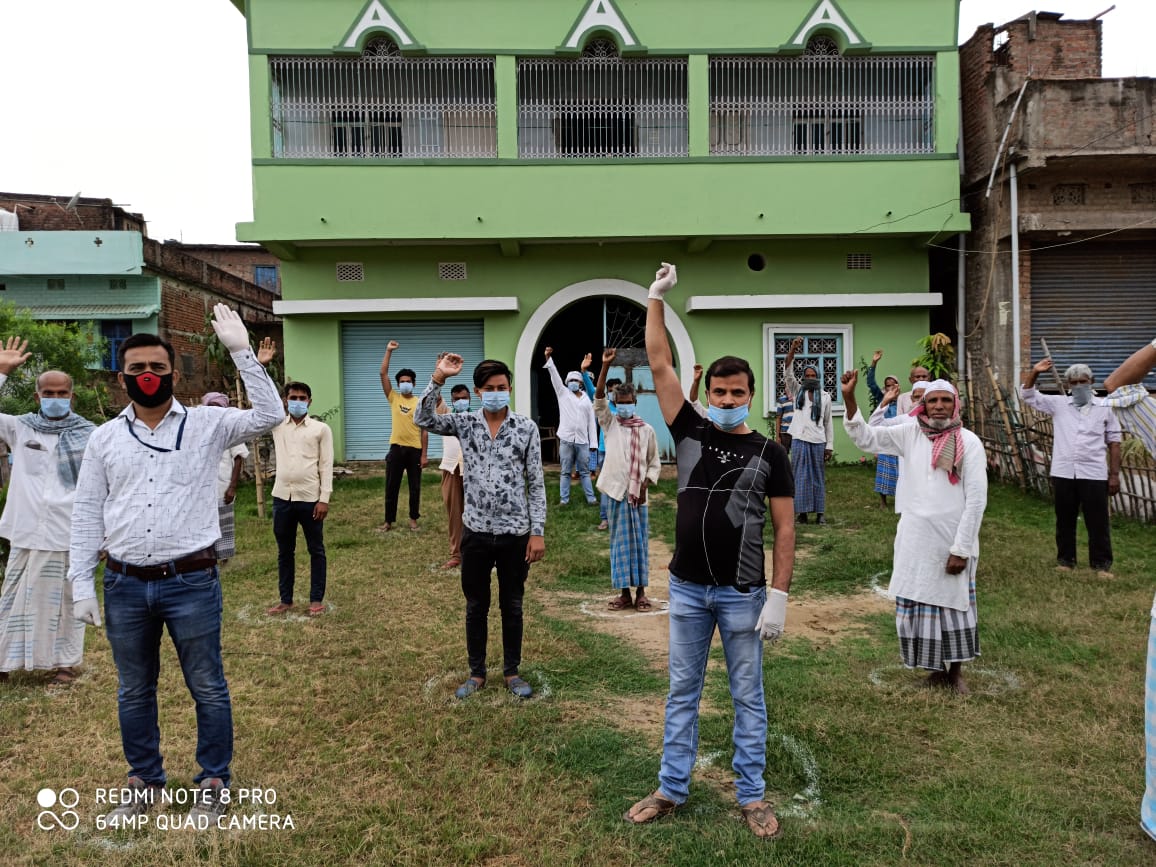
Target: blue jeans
(574, 456)
(188, 605)
(287, 515)
(695, 611)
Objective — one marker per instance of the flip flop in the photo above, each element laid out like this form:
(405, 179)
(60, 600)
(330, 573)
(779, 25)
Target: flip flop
(661, 806)
(618, 603)
(642, 603)
(762, 821)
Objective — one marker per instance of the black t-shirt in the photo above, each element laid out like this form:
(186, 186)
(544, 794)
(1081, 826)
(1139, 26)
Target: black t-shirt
(724, 480)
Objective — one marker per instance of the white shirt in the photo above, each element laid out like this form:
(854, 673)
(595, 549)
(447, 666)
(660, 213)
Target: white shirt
(1080, 434)
(803, 428)
(575, 412)
(38, 510)
(939, 518)
(147, 507)
(225, 470)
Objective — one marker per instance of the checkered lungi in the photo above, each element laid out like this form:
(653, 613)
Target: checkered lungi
(810, 483)
(226, 546)
(933, 637)
(629, 544)
(37, 629)
(886, 474)
(1148, 805)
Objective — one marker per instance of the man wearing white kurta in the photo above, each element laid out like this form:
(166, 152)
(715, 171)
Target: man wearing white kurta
(937, 541)
(37, 629)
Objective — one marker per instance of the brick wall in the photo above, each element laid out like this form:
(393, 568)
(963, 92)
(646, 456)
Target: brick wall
(40, 213)
(237, 259)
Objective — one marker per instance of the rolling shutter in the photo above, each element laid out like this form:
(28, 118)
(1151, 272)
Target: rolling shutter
(365, 410)
(1094, 304)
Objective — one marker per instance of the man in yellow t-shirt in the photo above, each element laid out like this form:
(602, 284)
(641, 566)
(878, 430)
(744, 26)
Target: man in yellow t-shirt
(407, 443)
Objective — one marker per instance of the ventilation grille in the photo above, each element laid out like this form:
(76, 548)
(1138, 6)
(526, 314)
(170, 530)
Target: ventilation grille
(117, 283)
(858, 261)
(55, 283)
(350, 272)
(451, 270)
(1143, 194)
(1068, 194)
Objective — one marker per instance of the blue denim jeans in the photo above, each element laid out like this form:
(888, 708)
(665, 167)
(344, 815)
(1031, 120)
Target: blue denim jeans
(574, 456)
(189, 607)
(695, 611)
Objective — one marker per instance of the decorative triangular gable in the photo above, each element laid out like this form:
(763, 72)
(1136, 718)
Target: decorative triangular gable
(601, 15)
(376, 16)
(827, 15)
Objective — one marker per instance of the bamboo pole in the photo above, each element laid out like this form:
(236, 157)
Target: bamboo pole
(1015, 455)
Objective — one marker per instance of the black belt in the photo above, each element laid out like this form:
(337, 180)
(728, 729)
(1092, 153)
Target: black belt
(194, 562)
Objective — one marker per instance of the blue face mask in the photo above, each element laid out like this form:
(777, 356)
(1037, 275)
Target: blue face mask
(405, 388)
(462, 404)
(624, 410)
(495, 401)
(298, 408)
(55, 407)
(728, 419)
(574, 386)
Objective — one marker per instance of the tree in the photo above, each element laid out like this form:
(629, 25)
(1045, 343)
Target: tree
(938, 356)
(54, 346)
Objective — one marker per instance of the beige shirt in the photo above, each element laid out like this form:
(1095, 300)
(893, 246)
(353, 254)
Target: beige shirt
(614, 477)
(304, 460)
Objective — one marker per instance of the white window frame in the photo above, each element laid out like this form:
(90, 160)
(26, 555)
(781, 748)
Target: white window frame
(771, 330)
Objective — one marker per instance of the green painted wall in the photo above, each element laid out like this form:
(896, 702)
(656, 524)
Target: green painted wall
(117, 254)
(82, 290)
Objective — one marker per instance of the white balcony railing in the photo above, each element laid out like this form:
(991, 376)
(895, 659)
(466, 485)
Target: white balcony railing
(821, 104)
(382, 107)
(602, 107)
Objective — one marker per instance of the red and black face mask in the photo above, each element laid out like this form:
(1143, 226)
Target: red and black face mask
(149, 389)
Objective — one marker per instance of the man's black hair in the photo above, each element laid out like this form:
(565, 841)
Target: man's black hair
(298, 386)
(459, 388)
(405, 371)
(491, 367)
(143, 339)
(730, 365)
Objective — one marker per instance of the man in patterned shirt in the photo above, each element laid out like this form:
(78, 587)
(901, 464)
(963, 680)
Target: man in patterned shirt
(505, 509)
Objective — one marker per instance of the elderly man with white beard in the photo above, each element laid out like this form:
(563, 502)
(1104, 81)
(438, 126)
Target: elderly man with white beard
(937, 541)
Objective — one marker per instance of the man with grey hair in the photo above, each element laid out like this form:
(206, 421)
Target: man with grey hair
(37, 629)
(1085, 463)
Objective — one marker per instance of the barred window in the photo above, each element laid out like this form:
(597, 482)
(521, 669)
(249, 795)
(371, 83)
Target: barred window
(825, 347)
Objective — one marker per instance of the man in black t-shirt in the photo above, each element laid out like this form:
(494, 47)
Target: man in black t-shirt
(727, 473)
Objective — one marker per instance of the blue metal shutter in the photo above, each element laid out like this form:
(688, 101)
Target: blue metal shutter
(1095, 304)
(365, 410)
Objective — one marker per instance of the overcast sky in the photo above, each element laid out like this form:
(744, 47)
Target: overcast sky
(146, 101)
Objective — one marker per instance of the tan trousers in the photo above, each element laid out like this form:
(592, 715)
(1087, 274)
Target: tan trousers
(454, 499)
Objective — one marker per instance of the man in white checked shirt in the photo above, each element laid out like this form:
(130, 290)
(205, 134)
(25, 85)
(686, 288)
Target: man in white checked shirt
(147, 493)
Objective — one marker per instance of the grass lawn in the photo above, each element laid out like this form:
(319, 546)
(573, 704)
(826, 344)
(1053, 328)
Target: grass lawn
(349, 719)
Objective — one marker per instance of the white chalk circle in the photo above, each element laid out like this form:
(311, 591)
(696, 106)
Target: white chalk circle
(877, 588)
(599, 609)
(805, 802)
(983, 680)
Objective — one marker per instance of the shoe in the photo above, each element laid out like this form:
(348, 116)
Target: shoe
(519, 687)
(212, 800)
(142, 800)
(279, 608)
(452, 563)
(605, 525)
(468, 688)
(564, 503)
(802, 519)
(591, 502)
(820, 519)
(316, 609)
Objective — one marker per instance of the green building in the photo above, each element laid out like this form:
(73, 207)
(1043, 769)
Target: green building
(495, 176)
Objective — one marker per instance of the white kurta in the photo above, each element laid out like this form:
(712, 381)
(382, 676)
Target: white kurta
(939, 519)
(38, 511)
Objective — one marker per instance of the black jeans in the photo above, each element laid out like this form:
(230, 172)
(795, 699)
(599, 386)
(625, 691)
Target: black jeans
(482, 552)
(1091, 496)
(287, 515)
(402, 459)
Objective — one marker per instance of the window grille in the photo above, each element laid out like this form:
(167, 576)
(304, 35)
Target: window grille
(601, 105)
(350, 272)
(115, 332)
(118, 283)
(858, 261)
(821, 103)
(823, 351)
(1068, 194)
(1143, 194)
(265, 276)
(451, 270)
(55, 283)
(382, 105)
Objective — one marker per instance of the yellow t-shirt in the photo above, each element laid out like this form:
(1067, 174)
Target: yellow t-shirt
(403, 431)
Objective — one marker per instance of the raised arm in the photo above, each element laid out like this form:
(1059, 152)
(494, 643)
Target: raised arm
(555, 379)
(790, 381)
(658, 353)
(1132, 372)
(267, 410)
(872, 384)
(695, 381)
(876, 440)
(587, 380)
(601, 411)
(426, 415)
(386, 386)
(1045, 403)
(12, 355)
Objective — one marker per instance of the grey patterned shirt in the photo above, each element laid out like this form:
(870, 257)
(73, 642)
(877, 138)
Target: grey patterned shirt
(505, 491)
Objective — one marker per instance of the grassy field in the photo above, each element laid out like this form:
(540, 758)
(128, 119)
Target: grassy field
(350, 718)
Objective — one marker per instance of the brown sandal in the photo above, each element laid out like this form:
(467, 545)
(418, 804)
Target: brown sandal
(762, 821)
(63, 677)
(661, 806)
(618, 603)
(642, 603)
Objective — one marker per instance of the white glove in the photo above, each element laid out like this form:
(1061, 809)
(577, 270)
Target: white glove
(774, 616)
(664, 280)
(87, 611)
(230, 329)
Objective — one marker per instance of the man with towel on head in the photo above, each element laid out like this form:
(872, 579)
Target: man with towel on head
(937, 541)
(812, 436)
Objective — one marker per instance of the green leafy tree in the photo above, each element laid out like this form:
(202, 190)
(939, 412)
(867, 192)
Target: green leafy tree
(54, 346)
(937, 355)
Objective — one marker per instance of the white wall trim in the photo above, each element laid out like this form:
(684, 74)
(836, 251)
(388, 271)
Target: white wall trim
(790, 329)
(524, 360)
(701, 303)
(500, 303)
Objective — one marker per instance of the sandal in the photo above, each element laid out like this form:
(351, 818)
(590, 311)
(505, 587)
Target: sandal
(660, 806)
(619, 602)
(762, 821)
(63, 676)
(642, 603)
